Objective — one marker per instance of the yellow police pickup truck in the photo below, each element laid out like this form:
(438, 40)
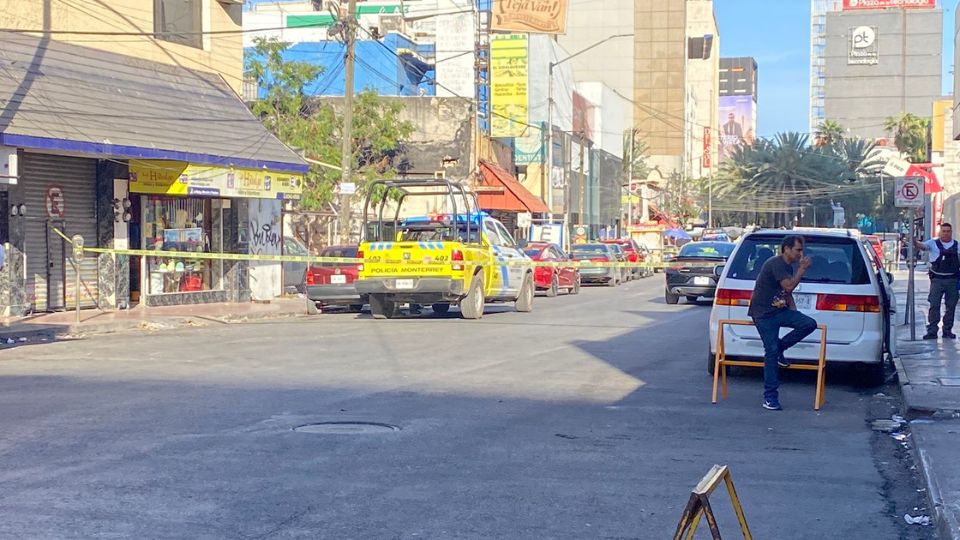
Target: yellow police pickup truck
(459, 256)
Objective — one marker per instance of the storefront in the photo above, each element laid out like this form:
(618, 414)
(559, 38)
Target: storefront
(201, 209)
(505, 198)
(156, 157)
(54, 197)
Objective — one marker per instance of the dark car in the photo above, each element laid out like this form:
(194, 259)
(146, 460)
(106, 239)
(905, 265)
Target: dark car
(600, 253)
(635, 253)
(332, 283)
(293, 271)
(553, 278)
(693, 272)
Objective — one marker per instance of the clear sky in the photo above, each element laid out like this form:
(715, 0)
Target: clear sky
(777, 34)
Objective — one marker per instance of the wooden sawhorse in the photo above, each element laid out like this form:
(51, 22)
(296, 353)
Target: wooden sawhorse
(720, 361)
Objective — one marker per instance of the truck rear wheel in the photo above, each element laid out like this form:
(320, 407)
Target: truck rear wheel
(524, 302)
(471, 305)
(381, 308)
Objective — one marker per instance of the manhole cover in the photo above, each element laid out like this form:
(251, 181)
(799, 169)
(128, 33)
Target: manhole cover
(346, 428)
(950, 381)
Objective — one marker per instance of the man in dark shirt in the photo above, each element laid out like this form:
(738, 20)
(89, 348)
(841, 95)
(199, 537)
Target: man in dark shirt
(772, 307)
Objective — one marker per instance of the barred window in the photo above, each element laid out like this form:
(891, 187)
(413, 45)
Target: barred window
(179, 21)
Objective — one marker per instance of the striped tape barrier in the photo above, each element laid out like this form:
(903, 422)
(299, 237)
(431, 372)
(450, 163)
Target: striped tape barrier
(372, 259)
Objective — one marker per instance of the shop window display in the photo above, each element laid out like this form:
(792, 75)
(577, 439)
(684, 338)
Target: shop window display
(177, 224)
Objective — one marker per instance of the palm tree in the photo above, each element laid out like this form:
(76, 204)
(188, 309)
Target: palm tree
(776, 174)
(782, 174)
(909, 134)
(854, 159)
(829, 132)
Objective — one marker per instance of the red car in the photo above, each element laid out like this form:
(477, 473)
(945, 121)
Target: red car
(331, 284)
(876, 244)
(553, 278)
(634, 254)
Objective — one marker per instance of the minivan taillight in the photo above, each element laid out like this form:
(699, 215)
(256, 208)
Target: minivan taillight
(733, 297)
(848, 302)
(456, 260)
(360, 256)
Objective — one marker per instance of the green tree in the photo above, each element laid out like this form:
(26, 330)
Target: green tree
(829, 132)
(313, 126)
(786, 174)
(640, 153)
(909, 134)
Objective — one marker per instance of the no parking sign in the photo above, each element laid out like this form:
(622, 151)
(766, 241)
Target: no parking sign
(909, 192)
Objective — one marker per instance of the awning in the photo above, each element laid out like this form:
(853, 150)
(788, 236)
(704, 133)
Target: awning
(502, 191)
(62, 97)
(931, 184)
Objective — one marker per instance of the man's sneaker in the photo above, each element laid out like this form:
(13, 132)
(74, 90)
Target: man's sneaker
(783, 362)
(928, 335)
(949, 335)
(772, 405)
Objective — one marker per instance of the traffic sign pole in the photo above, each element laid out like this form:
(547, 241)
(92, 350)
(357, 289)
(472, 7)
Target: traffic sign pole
(909, 194)
(911, 301)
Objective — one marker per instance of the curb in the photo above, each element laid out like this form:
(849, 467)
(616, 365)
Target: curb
(948, 523)
(73, 330)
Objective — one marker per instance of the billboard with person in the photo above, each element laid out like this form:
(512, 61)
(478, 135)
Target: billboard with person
(738, 123)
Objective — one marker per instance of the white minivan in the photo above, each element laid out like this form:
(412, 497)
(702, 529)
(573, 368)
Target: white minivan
(843, 288)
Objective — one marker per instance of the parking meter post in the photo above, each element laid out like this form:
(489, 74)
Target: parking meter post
(77, 269)
(77, 242)
(911, 301)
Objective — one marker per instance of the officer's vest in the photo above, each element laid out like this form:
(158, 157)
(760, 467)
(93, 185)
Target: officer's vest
(947, 264)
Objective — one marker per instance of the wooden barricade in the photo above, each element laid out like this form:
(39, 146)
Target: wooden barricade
(699, 506)
(721, 362)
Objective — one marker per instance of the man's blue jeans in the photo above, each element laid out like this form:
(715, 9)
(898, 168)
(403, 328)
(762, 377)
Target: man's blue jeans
(774, 346)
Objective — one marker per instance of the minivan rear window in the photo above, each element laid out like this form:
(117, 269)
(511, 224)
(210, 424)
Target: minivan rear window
(833, 260)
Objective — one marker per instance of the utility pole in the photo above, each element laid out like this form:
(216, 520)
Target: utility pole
(349, 29)
(710, 201)
(548, 199)
(583, 183)
(630, 187)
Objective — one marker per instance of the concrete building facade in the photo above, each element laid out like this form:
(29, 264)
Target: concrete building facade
(137, 154)
(703, 90)
(218, 51)
(818, 49)
(880, 63)
(673, 89)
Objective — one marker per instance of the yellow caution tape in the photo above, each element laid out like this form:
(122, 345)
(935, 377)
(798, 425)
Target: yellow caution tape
(173, 254)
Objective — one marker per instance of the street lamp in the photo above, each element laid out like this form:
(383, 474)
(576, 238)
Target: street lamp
(549, 164)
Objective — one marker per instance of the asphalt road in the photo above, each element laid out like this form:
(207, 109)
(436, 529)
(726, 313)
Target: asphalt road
(588, 418)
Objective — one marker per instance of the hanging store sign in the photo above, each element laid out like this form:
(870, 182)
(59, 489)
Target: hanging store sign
(849, 5)
(508, 85)
(533, 16)
(864, 46)
(707, 148)
(162, 177)
(455, 45)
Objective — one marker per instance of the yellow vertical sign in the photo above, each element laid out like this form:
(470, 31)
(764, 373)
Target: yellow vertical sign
(940, 108)
(508, 85)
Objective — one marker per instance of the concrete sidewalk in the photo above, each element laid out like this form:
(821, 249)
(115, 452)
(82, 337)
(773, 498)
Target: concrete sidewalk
(929, 374)
(47, 326)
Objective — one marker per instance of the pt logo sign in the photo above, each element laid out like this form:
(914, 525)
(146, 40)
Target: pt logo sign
(909, 192)
(863, 37)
